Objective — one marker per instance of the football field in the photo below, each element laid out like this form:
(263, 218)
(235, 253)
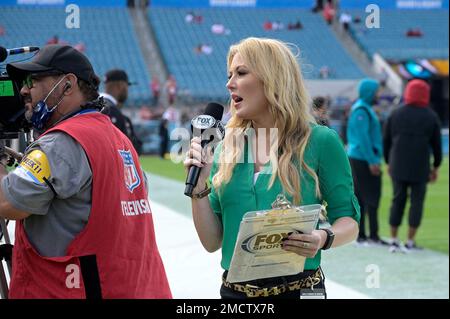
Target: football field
(433, 233)
(352, 271)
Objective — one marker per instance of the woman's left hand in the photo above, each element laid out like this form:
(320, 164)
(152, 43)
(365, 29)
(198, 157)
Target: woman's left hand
(305, 244)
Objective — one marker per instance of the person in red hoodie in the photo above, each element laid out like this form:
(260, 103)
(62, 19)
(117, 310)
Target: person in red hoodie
(410, 132)
(329, 12)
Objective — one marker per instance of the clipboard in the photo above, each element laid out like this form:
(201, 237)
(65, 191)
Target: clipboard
(258, 253)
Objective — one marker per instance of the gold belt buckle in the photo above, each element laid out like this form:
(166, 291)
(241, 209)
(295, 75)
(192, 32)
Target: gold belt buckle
(251, 291)
(276, 290)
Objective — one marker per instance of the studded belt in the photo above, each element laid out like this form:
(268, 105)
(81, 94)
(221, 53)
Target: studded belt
(253, 291)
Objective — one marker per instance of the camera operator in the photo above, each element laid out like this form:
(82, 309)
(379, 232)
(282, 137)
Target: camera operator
(78, 195)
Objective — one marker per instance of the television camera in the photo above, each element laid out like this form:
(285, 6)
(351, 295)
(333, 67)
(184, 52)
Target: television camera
(12, 123)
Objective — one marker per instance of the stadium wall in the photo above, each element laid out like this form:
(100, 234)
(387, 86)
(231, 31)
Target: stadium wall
(395, 4)
(233, 3)
(333, 88)
(90, 3)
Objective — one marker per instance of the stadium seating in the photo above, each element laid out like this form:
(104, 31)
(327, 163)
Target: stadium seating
(390, 39)
(204, 76)
(107, 34)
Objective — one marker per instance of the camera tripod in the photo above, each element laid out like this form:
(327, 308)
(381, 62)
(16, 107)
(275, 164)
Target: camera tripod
(6, 247)
(5, 254)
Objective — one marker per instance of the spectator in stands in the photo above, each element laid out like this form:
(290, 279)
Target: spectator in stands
(318, 6)
(345, 19)
(329, 12)
(219, 28)
(414, 33)
(383, 78)
(365, 150)
(267, 25)
(410, 134)
(155, 86)
(172, 115)
(2, 30)
(357, 20)
(309, 165)
(295, 26)
(324, 72)
(53, 40)
(115, 95)
(145, 113)
(198, 19)
(171, 87)
(203, 49)
(277, 26)
(320, 111)
(189, 17)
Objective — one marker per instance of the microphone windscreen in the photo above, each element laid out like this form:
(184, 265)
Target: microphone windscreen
(215, 110)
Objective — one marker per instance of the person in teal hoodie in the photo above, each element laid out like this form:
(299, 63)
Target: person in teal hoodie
(365, 151)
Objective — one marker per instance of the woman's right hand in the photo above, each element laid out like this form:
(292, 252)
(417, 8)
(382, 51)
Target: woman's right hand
(201, 158)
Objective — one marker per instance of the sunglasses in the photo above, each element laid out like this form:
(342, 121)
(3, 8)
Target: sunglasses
(30, 78)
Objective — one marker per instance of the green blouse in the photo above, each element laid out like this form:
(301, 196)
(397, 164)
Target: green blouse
(324, 153)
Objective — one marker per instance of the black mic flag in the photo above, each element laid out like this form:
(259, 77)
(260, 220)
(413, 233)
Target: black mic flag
(209, 127)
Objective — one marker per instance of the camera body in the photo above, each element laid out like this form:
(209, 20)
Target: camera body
(12, 109)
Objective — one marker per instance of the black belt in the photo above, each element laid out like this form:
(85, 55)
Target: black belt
(253, 291)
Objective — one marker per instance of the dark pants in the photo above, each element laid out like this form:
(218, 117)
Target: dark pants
(163, 147)
(368, 192)
(229, 293)
(417, 196)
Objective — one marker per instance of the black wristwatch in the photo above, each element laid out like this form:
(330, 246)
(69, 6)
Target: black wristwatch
(330, 238)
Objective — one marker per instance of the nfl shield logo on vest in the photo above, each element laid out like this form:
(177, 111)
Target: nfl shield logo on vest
(131, 176)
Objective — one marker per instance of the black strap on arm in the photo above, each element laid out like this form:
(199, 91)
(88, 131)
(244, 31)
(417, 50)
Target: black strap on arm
(50, 185)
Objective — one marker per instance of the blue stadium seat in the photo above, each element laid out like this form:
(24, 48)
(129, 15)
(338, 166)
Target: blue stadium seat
(106, 32)
(390, 39)
(205, 76)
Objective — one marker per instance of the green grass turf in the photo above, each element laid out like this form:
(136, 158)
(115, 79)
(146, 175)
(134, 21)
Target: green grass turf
(432, 234)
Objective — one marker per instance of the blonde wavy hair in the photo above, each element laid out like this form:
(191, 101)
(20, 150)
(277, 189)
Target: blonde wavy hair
(276, 66)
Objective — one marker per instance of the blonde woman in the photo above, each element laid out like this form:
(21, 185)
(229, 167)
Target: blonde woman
(306, 162)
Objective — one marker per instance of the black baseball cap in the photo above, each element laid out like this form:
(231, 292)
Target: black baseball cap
(56, 57)
(117, 75)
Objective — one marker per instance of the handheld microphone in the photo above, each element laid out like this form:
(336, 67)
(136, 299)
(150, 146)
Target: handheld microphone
(5, 52)
(209, 127)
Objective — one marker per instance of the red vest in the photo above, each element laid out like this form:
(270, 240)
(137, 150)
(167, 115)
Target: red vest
(119, 232)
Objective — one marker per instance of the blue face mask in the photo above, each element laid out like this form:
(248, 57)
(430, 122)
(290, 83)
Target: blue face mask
(42, 112)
